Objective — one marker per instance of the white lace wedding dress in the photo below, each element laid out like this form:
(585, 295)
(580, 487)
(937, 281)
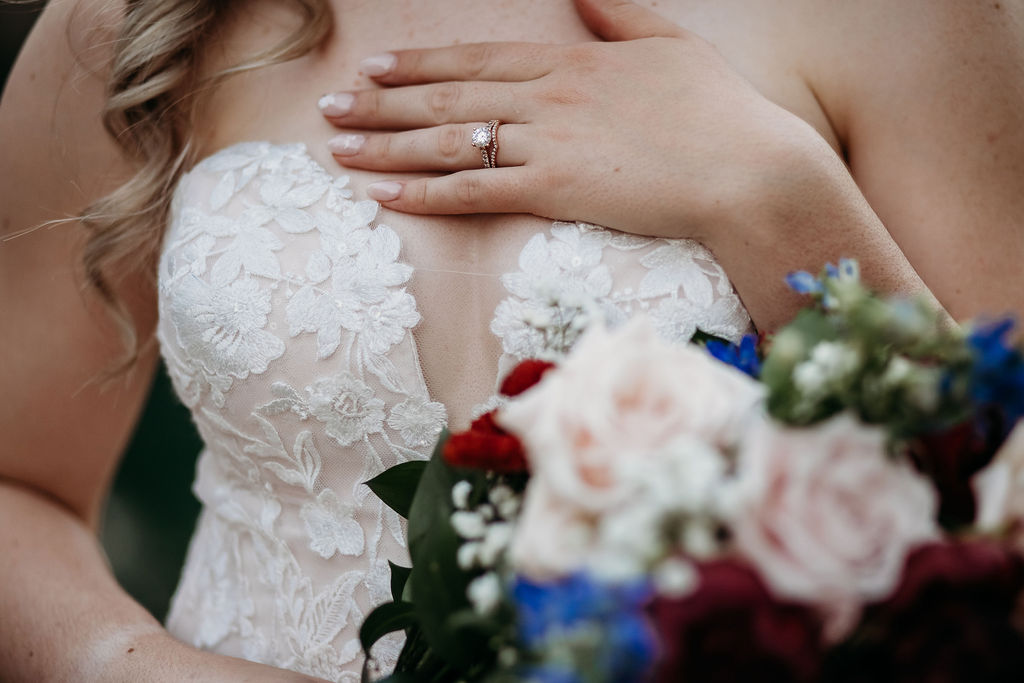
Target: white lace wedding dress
(316, 346)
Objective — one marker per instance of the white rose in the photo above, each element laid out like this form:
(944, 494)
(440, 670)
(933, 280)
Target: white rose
(827, 516)
(628, 426)
(551, 537)
(619, 397)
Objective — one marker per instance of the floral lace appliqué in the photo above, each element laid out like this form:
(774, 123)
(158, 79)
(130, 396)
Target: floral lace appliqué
(286, 326)
(680, 286)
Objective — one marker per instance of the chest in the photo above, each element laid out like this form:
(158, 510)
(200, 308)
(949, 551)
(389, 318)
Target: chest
(766, 42)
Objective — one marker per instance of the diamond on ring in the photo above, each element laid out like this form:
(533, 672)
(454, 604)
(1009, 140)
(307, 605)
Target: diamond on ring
(485, 138)
(482, 137)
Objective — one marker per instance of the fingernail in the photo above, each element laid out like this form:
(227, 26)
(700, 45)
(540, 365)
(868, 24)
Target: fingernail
(346, 145)
(378, 65)
(335, 104)
(384, 191)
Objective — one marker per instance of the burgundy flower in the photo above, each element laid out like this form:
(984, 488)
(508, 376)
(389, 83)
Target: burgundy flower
(524, 376)
(732, 629)
(950, 620)
(485, 446)
(951, 457)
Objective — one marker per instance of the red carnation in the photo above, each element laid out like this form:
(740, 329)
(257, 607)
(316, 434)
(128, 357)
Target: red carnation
(524, 376)
(486, 446)
(951, 619)
(732, 629)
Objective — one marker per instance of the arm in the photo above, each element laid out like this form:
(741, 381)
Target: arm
(929, 97)
(62, 615)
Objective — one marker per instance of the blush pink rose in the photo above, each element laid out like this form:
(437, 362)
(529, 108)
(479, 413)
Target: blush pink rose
(599, 432)
(827, 517)
(620, 397)
(551, 538)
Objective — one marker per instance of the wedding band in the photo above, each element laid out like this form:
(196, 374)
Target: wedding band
(485, 138)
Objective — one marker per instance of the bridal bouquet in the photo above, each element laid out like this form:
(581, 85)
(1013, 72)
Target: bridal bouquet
(841, 502)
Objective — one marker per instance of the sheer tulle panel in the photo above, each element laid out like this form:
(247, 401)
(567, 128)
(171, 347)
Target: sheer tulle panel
(456, 281)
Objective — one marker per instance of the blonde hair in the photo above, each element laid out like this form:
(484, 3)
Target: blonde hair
(152, 90)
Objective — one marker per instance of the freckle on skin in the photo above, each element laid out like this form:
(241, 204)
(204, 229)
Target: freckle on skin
(131, 650)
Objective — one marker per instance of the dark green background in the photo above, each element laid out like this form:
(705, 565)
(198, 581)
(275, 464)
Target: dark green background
(151, 511)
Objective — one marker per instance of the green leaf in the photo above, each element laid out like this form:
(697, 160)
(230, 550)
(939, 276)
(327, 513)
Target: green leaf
(403, 677)
(396, 486)
(399, 575)
(437, 583)
(388, 618)
(701, 338)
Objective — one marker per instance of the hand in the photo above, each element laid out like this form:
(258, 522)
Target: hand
(653, 133)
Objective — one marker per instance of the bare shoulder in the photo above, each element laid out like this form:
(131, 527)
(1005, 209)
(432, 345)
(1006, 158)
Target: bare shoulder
(63, 431)
(928, 97)
(862, 55)
(50, 114)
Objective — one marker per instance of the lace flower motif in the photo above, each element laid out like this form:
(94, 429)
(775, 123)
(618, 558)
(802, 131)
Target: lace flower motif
(418, 421)
(331, 526)
(362, 297)
(567, 267)
(222, 329)
(347, 407)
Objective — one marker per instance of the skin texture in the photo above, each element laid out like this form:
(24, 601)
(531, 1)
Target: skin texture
(942, 178)
(924, 101)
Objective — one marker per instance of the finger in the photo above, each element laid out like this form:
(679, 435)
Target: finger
(624, 20)
(490, 190)
(472, 62)
(421, 106)
(442, 148)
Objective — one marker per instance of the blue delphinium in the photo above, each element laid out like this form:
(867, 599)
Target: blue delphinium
(604, 622)
(742, 356)
(803, 282)
(997, 374)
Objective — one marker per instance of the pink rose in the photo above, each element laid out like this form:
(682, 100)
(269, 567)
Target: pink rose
(627, 429)
(623, 396)
(827, 516)
(551, 539)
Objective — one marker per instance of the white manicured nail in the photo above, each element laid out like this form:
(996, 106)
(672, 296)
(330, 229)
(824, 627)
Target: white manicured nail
(378, 65)
(384, 191)
(345, 145)
(335, 104)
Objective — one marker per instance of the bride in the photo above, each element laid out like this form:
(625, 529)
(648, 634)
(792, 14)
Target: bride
(319, 337)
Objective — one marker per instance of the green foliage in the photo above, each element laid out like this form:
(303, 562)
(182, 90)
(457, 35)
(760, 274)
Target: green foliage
(390, 617)
(437, 584)
(396, 486)
(445, 639)
(399, 579)
(891, 361)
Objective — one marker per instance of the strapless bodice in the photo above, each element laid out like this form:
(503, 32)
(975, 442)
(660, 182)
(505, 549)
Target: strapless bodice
(316, 346)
